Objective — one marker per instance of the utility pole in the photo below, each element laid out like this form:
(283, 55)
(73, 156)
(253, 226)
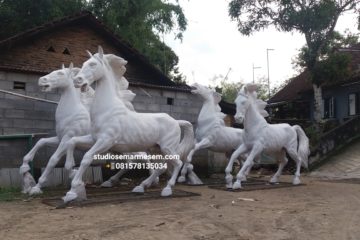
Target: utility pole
(268, 71)
(253, 70)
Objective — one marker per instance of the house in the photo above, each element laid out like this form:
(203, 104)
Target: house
(33, 53)
(341, 100)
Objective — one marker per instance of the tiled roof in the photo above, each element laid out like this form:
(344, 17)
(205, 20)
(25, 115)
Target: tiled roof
(301, 83)
(90, 20)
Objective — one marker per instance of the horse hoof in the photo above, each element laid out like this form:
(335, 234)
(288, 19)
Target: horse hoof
(107, 184)
(24, 168)
(236, 185)
(138, 189)
(166, 192)
(274, 180)
(28, 182)
(35, 191)
(229, 185)
(70, 196)
(296, 181)
(193, 179)
(181, 179)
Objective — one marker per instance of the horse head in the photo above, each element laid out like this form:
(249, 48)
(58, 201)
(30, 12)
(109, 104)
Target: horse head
(206, 93)
(58, 79)
(97, 66)
(247, 96)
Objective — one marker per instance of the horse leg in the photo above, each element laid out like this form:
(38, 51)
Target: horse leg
(293, 154)
(77, 190)
(147, 182)
(283, 161)
(54, 159)
(177, 164)
(228, 177)
(114, 179)
(70, 146)
(28, 180)
(204, 143)
(255, 151)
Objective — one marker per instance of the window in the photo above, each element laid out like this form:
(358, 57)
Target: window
(329, 107)
(51, 49)
(170, 101)
(352, 104)
(66, 51)
(19, 85)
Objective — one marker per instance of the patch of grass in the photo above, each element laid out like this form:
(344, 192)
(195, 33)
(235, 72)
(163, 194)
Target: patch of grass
(9, 194)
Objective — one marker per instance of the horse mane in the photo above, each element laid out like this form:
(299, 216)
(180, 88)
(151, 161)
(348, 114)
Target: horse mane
(249, 90)
(116, 64)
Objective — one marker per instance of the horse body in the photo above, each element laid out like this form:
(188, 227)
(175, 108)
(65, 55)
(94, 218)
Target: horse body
(211, 132)
(72, 119)
(259, 136)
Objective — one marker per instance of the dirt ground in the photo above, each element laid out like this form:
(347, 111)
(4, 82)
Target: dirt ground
(318, 210)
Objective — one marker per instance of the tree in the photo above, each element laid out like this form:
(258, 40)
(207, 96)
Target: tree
(228, 90)
(315, 19)
(19, 15)
(142, 23)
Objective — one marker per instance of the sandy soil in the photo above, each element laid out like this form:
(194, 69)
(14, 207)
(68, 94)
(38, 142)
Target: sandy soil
(319, 210)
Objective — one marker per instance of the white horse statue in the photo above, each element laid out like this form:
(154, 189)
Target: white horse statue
(72, 119)
(68, 111)
(259, 136)
(114, 126)
(211, 132)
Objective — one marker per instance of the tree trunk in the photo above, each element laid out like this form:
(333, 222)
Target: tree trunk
(318, 109)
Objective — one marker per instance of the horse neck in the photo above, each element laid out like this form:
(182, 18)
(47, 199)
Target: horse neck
(253, 119)
(105, 95)
(207, 111)
(69, 101)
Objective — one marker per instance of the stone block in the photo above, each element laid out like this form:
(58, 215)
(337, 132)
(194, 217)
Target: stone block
(44, 106)
(14, 113)
(182, 95)
(23, 104)
(24, 123)
(5, 122)
(6, 85)
(165, 108)
(153, 108)
(169, 94)
(44, 124)
(19, 77)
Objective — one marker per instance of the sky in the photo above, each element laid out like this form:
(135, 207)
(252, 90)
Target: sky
(212, 45)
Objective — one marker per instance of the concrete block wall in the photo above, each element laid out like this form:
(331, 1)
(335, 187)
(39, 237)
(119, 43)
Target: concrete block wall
(21, 116)
(25, 116)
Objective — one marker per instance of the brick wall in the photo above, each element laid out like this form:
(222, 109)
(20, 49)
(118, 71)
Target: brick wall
(76, 38)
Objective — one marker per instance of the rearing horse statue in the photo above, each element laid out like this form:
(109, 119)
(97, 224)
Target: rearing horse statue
(115, 127)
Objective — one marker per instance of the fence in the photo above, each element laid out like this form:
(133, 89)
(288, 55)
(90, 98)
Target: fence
(334, 140)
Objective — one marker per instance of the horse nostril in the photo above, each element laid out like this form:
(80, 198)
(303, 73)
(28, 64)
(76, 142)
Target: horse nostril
(78, 80)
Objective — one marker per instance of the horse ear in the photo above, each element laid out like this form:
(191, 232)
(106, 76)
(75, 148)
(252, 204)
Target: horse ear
(74, 71)
(89, 53)
(251, 87)
(101, 52)
(217, 97)
(62, 66)
(71, 66)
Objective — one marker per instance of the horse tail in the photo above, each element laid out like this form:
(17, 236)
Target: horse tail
(303, 145)
(187, 143)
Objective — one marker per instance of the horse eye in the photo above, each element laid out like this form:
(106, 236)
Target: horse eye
(92, 64)
(61, 73)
